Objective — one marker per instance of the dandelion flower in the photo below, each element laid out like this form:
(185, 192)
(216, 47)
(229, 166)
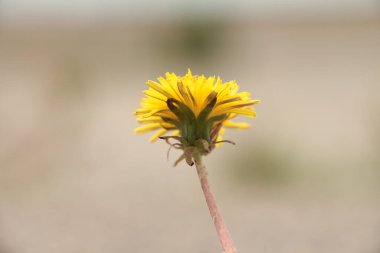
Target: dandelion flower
(196, 108)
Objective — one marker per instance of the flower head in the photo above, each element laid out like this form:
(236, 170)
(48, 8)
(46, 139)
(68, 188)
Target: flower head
(195, 107)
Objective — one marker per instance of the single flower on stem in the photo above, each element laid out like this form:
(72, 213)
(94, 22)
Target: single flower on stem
(196, 109)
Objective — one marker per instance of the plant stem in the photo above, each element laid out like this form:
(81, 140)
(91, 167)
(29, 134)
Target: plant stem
(221, 229)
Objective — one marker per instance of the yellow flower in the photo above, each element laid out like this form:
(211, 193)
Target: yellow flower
(195, 107)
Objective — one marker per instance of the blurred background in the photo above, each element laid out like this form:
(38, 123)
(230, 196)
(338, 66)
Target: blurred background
(74, 178)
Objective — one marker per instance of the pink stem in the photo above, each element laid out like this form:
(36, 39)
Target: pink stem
(221, 229)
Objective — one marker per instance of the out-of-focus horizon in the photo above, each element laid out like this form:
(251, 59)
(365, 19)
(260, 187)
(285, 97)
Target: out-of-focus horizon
(74, 177)
(135, 11)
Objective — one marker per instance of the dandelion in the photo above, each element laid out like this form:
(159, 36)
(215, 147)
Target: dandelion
(196, 109)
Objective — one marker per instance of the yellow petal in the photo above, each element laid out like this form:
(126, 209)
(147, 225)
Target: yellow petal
(231, 124)
(158, 88)
(249, 112)
(147, 128)
(152, 119)
(157, 134)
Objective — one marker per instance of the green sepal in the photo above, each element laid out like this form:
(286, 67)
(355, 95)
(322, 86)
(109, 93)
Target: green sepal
(220, 117)
(171, 121)
(210, 105)
(180, 109)
(194, 128)
(170, 103)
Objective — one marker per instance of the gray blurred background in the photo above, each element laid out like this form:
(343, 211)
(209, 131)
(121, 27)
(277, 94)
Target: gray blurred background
(74, 178)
